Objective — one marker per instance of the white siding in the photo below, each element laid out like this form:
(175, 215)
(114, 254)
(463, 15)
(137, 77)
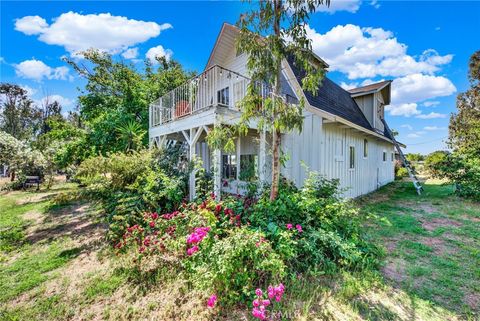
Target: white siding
(317, 146)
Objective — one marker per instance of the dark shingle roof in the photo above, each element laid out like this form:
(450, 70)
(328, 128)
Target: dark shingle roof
(368, 88)
(333, 99)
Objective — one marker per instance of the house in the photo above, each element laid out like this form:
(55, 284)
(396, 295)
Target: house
(344, 134)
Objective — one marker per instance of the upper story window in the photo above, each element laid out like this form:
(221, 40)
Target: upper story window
(352, 157)
(384, 156)
(365, 148)
(393, 156)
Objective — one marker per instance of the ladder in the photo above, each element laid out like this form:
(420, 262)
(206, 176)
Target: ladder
(406, 163)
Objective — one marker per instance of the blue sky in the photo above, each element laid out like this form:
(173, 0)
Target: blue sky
(422, 46)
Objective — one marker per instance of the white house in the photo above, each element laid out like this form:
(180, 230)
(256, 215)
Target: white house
(343, 136)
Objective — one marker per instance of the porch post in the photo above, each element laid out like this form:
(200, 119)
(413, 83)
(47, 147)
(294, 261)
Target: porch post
(191, 181)
(262, 157)
(237, 156)
(217, 173)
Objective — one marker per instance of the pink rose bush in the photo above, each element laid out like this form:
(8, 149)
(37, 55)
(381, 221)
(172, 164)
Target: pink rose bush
(195, 238)
(260, 303)
(211, 301)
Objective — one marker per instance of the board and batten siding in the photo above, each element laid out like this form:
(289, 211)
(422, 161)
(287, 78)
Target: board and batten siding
(325, 147)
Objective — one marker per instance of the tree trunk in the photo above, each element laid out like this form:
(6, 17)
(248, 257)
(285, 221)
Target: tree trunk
(276, 139)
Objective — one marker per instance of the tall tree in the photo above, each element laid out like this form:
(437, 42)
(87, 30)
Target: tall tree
(464, 128)
(117, 93)
(19, 117)
(271, 32)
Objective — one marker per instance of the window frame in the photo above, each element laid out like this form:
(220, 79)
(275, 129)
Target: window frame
(365, 148)
(384, 156)
(351, 157)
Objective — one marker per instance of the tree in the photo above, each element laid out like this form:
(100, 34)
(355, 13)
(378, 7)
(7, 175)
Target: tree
(19, 117)
(270, 33)
(414, 157)
(434, 160)
(464, 128)
(117, 94)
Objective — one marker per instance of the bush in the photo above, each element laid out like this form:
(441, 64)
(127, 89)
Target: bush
(401, 173)
(130, 184)
(232, 247)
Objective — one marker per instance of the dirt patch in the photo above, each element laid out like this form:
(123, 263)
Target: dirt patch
(472, 300)
(35, 198)
(435, 223)
(438, 245)
(394, 270)
(471, 218)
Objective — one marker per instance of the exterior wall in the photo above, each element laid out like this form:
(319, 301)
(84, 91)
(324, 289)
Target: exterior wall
(325, 148)
(366, 105)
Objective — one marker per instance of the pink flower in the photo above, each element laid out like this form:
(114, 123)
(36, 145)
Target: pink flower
(192, 250)
(256, 303)
(271, 292)
(299, 228)
(289, 226)
(152, 224)
(258, 292)
(266, 303)
(257, 313)
(211, 301)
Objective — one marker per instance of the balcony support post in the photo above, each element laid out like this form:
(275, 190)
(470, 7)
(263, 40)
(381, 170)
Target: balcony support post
(217, 173)
(192, 140)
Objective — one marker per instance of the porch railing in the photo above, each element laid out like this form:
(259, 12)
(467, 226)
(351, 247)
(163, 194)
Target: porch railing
(215, 86)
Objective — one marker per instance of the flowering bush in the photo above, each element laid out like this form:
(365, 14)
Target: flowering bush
(261, 304)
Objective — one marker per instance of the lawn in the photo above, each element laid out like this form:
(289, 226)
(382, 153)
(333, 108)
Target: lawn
(55, 265)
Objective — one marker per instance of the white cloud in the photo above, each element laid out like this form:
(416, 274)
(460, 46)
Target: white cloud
(406, 110)
(370, 52)
(341, 5)
(77, 32)
(63, 101)
(407, 126)
(37, 70)
(432, 115)
(375, 4)
(413, 135)
(420, 87)
(30, 91)
(433, 128)
(31, 25)
(158, 51)
(130, 53)
(437, 29)
(431, 103)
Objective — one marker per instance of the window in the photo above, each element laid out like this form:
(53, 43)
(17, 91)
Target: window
(229, 166)
(339, 150)
(384, 156)
(392, 157)
(223, 96)
(352, 157)
(365, 148)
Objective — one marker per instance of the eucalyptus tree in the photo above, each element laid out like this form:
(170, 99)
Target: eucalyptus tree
(275, 30)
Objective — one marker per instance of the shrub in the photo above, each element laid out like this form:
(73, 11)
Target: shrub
(129, 184)
(401, 173)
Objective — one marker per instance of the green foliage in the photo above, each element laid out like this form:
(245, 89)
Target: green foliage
(19, 117)
(129, 184)
(114, 104)
(414, 157)
(20, 158)
(331, 234)
(434, 160)
(263, 37)
(401, 173)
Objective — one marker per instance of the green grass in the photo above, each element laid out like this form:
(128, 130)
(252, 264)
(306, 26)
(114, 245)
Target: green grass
(103, 285)
(25, 266)
(442, 265)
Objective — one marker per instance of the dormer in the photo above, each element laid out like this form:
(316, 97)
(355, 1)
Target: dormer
(372, 100)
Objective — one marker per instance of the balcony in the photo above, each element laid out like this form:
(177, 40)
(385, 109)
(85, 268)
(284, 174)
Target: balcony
(215, 87)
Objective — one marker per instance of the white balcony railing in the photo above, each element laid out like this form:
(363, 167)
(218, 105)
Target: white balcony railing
(216, 86)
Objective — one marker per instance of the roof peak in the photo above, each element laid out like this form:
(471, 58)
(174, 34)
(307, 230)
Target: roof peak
(370, 88)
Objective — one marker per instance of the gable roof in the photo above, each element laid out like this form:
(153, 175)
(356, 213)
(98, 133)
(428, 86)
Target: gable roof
(333, 99)
(370, 88)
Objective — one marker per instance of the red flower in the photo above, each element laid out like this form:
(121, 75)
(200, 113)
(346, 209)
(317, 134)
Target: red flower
(152, 224)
